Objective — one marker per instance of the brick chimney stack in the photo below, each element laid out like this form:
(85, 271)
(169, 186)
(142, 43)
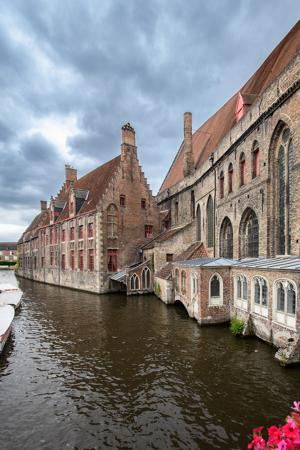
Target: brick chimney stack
(70, 174)
(128, 141)
(188, 164)
(43, 205)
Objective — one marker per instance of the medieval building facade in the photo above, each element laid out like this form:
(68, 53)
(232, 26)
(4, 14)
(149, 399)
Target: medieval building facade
(234, 186)
(94, 226)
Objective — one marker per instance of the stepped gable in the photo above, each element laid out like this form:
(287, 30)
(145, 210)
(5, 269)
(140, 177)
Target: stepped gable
(210, 134)
(95, 182)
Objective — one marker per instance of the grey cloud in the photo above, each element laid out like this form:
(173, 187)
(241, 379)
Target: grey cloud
(110, 62)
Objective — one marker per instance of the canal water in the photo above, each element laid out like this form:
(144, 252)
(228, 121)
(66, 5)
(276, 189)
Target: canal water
(83, 371)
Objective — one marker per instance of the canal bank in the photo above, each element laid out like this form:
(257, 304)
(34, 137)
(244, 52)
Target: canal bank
(113, 371)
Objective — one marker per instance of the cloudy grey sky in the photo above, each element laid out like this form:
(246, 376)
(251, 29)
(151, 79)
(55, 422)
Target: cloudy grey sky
(73, 71)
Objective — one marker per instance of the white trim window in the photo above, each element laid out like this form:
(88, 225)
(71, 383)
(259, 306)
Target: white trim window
(285, 294)
(194, 285)
(241, 292)
(134, 282)
(260, 295)
(216, 290)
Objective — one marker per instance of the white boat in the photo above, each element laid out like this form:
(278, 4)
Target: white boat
(10, 295)
(7, 314)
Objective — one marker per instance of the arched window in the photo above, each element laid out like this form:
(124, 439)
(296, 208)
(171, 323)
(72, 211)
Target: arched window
(146, 278)
(176, 279)
(222, 184)
(285, 305)
(255, 160)
(183, 282)
(230, 178)
(216, 290)
(260, 296)
(210, 222)
(226, 239)
(285, 180)
(194, 284)
(134, 282)
(198, 224)
(112, 221)
(193, 204)
(241, 292)
(242, 169)
(249, 234)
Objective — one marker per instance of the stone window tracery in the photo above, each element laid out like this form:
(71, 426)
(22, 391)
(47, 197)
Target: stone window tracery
(285, 304)
(146, 278)
(216, 290)
(241, 292)
(260, 296)
(249, 235)
(210, 222)
(226, 239)
(134, 282)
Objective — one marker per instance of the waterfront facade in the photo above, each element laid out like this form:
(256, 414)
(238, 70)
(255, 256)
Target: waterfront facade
(94, 226)
(234, 185)
(8, 251)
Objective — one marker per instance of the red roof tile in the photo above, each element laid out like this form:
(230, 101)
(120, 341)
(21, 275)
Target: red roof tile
(211, 133)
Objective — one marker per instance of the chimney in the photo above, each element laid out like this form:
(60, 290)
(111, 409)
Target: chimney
(188, 164)
(128, 140)
(43, 205)
(128, 134)
(70, 173)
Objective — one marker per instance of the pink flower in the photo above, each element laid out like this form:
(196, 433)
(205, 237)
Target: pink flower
(296, 406)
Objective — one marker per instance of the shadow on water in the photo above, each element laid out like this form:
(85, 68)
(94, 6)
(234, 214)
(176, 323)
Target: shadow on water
(87, 371)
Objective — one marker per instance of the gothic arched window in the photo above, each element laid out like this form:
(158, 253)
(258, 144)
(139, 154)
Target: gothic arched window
(222, 184)
(134, 282)
(249, 234)
(255, 160)
(183, 282)
(242, 169)
(285, 166)
(146, 278)
(230, 178)
(216, 290)
(210, 222)
(198, 224)
(226, 239)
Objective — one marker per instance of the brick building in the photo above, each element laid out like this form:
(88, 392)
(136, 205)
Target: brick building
(8, 251)
(234, 185)
(95, 225)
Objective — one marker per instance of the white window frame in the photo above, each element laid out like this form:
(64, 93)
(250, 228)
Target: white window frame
(216, 301)
(284, 318)
(240, 302)
(136, 282)
(259, 308)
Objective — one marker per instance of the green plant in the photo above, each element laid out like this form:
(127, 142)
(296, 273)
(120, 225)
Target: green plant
(236, 326)
(7, 263)
(157, 289)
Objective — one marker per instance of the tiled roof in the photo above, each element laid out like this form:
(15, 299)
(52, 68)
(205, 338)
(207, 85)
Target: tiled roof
(40, 220)
(196, 250)
(8, 245)
(95, 182)
(210, 134)
(164, 236)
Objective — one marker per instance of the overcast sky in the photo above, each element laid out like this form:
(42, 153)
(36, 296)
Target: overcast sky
(74, 71)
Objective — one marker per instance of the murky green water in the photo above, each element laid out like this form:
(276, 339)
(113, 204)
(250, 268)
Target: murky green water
(83, 371)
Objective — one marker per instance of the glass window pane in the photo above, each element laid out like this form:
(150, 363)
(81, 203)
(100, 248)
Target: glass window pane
(264, 300)
(244, 289)
(239, 288)
(257, 292)
(291, 300)
(280, 298)
(215, 287)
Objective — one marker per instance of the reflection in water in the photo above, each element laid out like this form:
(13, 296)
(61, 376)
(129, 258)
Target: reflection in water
(86, 371)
